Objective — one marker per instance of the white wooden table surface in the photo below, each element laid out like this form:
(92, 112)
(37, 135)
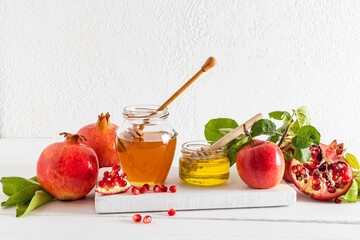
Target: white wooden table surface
(307, 219)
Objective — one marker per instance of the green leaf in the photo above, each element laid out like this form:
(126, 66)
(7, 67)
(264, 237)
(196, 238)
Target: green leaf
(12, 185)
(302, 119)
(351, 195)
(276, 138)
(235, 148)
(34, 178)
(22, 196)
(306, 136)
(263, 127)
(217, 128)
(40, 198)
(302, 155)
(280, 115)
(288, 156)
(352, 161)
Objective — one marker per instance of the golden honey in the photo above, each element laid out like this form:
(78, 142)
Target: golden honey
(147, 159)
(209, 170)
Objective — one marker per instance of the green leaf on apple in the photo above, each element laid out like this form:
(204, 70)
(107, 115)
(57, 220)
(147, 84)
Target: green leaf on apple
(306, 136)
(276, 138)
(34, 178)
(302, 119)
(264, 127)
(218, 127)
(235, 148)
(280, 115)
(302, 154)
(40, 198)
(288, 156)
(351, 195)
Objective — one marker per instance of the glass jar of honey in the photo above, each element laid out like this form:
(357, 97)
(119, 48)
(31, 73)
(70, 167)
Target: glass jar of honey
(211, 169)
(145, 144)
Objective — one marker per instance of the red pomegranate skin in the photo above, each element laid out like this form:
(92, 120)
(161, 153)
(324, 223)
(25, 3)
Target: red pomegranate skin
(101, 137)
(68, 171)
(261, 166)
(287, 173)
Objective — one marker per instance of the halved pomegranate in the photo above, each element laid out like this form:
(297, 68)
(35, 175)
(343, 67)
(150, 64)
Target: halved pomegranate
(112, 183)
(327, 175)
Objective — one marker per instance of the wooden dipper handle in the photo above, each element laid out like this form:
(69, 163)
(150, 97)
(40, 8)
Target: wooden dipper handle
(234, 133)
(210, 62)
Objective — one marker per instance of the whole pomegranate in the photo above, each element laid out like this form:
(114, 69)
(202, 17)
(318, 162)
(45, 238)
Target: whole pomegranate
(101, 137)
(327, 175)
(260, 164)
(68, 170)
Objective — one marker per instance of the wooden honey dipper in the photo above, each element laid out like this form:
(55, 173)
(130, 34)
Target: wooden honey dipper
(136, 130)
(204, 151)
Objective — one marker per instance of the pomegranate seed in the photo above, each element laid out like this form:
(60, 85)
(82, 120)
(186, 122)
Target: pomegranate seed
(116, 168)
(327, 183)
(345, 169)
(114, 175)
(110, 184)
(163, 188)
(303, 171)
(135, 191)
(299, 178)
(147, 186)
(311, 173)
(298, 167)
(305, 181)
(344, 182)
(101, 184)
(338, 201)
(147, 219)
(315, 161)
(294, 169)
(316, 187)
(171, 212)
(325, 176)
(306, 165)
(345, 177)
(312, 166)
(143, 190)
(172, 189)
(316, 176)
(334, 168)
(337, 185)
(331, 190)
(109, 179)
(123, 176)
(122, 183)
(117, 181)
(335, 177)
(137, 218)
(156, 188)
(322, 167)
(106, 174)
(315, 182)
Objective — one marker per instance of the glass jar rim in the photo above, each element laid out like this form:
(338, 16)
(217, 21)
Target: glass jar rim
(143, 111)
(188, 148)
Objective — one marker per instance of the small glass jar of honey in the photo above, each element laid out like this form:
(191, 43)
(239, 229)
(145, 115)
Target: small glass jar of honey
(211, 169)
(145, 144)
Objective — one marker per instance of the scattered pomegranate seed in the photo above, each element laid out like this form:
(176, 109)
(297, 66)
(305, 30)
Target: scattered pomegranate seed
(106, 174)
(122, 183)
(143, 190)
(137, 218)
(156, 188)
(171, 212)
(147, 219)
(135, 191)
(163, 188)
(116, 168)
(123, 176)
(147, 186)
(172, 189)
(337, 201)
(101, 184)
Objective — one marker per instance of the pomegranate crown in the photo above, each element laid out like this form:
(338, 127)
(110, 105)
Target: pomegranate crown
(73, 137)
(103, 121)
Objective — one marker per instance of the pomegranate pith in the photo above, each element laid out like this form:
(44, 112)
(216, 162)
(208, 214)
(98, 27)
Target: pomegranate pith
(327, 175)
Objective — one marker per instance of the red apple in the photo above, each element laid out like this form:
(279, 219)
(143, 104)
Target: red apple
(68, 170)
(261, 164)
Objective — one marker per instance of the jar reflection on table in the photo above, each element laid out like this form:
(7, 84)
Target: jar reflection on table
(146, 159)
(210, 170)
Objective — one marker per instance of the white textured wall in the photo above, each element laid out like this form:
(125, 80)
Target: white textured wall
(64, 62)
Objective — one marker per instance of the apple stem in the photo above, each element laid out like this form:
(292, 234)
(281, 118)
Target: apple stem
(283, 137)
(249, 135)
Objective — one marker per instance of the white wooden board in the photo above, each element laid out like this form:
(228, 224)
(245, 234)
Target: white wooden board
(234, 194)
